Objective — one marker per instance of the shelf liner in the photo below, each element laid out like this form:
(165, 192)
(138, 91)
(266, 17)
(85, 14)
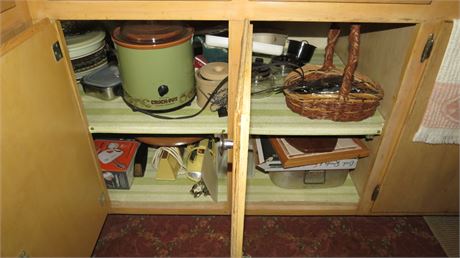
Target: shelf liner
(261, 189)
(147, 189)
(269, 116)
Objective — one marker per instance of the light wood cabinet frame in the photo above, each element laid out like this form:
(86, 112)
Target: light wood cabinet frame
(424, 13)
(427, 15)
(245, 9)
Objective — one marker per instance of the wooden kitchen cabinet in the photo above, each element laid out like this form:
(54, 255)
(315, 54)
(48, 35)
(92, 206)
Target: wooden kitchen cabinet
(429, 182)
(390, 54)
(14, 17)
(53, 202)
(371, 1)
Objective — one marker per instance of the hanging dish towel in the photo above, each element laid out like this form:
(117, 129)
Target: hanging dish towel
(441, 122)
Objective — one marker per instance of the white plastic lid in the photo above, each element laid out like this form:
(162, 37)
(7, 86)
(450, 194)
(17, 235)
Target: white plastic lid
(105, 78)
(85, 44)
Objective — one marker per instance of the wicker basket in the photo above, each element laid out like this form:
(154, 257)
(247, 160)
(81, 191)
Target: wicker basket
(343, 105)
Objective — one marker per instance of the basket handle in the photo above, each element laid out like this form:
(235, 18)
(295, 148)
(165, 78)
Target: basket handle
(353, 54)
(332, 36)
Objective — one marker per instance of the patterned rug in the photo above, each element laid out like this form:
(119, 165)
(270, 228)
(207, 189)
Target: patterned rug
(267, 236)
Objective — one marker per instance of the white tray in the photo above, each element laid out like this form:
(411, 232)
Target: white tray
(257, 47)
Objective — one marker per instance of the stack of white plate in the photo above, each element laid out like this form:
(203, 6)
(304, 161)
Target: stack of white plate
(87, 52)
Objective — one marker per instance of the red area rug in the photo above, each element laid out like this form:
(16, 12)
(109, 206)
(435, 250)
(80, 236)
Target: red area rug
(192, 236)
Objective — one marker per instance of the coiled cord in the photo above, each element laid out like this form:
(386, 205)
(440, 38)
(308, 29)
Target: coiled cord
(156, 115)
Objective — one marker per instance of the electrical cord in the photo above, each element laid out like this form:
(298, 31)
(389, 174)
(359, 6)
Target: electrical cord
(156, 115)
(219, 100)
(216, 102)
(192, 175)
(175, 153)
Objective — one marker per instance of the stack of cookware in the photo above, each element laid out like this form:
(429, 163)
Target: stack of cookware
(87, 52)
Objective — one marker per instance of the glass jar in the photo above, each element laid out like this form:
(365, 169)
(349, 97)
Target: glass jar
(263, 81)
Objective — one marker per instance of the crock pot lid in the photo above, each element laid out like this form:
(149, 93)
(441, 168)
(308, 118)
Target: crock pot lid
(216, 71)
(84, 40)
(151, 33)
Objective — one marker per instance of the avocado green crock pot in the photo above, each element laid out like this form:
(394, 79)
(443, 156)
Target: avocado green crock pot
(156, 65)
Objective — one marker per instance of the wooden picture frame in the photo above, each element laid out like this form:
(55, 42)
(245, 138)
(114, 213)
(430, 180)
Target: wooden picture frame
(352, 148)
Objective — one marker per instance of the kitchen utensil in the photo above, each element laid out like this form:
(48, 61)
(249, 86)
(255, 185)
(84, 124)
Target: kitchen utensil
(156, 64)
(302, 51)
(90, 61)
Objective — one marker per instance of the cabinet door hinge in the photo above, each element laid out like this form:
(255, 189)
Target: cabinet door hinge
(427, 49)
(57, 51)
(375, 193)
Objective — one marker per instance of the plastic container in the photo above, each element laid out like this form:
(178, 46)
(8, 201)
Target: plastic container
(104, 84)
(308, 179)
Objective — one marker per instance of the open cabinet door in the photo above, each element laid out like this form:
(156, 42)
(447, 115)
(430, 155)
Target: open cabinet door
(241, 142)
(53, 201)
(421, 177)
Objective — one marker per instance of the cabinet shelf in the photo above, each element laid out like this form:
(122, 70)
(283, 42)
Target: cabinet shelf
(146, 191)
(116, 117)
(261, 190)
(271, 116)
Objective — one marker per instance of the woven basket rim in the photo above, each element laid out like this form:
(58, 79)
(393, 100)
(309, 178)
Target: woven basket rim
(312, 69)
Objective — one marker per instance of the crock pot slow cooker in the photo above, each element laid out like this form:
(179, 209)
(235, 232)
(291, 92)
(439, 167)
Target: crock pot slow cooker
(156, 65)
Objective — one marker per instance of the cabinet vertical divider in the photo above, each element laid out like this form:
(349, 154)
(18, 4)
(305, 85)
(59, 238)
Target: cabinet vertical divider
(236, 48)
(241, 144)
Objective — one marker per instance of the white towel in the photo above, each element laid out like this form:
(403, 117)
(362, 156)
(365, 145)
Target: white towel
(441, 122)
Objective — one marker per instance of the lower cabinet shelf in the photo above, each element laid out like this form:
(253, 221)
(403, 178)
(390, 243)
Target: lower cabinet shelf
(148, 195)
(261, 189)
(264, 197)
